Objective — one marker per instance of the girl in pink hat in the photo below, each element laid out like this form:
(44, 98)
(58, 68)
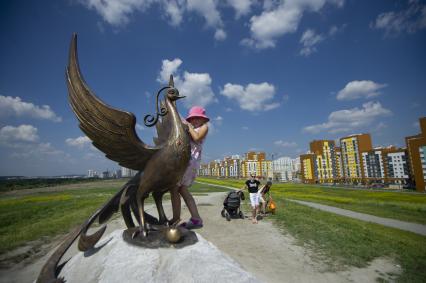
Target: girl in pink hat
(198, 129)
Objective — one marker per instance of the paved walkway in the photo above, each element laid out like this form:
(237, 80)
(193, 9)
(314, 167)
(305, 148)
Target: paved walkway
(402, 225)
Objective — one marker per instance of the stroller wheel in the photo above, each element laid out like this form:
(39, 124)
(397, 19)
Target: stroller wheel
(227, 216)
(241, 214)
(223, 212)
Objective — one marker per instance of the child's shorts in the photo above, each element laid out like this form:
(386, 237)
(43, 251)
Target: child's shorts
(254, 199)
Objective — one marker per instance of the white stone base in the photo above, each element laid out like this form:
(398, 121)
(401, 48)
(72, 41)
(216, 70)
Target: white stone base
(118, 261)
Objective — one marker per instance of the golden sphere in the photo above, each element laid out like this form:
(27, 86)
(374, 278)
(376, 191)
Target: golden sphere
(173, 235)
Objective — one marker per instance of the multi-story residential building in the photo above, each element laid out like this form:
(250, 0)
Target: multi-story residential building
(253, 164)
(338, 164)
(233, 164)
(416, 147)
(397, 168)
(308, 168)
(374, 165)
(296, 164)
(283, 169)
(324, 151)
(92, 174)
(204, 170)
(352, 161)
(126, 172)
(215, 168)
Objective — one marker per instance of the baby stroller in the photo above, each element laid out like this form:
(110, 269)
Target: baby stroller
(231, 205)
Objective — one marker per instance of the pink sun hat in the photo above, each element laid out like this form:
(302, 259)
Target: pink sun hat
(197, 111)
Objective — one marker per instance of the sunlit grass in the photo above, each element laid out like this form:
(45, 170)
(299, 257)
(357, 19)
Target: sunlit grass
(32, 217)
(342, 241)
(44, 215)
(406, 206)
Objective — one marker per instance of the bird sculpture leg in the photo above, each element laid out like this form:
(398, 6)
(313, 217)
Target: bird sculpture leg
(158, 198)
(143, 229)
(176, 206)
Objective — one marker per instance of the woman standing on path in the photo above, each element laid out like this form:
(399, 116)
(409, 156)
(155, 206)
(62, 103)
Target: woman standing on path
(253, 185)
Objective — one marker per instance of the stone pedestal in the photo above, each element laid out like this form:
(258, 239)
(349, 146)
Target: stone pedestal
(113, 260)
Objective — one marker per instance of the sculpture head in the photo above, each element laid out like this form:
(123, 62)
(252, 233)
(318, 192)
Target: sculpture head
(172, 92)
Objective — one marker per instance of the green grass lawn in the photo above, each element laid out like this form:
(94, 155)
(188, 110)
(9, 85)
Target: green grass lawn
(31, 217)
(404, 206)
(342, 241)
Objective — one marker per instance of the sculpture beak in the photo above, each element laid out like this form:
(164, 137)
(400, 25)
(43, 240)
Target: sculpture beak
(180, 96)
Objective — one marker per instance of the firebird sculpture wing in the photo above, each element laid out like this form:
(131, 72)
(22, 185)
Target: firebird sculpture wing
(111, 130)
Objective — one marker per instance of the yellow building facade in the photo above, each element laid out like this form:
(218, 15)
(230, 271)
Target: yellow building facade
(352, 162)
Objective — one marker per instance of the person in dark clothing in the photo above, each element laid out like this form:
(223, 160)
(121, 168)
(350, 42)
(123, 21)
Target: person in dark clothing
(253, 186)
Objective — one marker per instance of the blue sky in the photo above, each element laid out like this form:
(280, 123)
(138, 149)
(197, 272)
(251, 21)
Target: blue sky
(273, 75)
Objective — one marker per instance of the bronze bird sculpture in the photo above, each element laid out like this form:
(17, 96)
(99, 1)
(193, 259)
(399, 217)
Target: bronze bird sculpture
(112, 131)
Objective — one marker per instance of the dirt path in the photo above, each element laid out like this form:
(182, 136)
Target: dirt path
(402, 225)
(259, 248)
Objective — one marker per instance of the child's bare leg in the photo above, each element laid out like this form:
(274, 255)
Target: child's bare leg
(254, 220)
(189, 201)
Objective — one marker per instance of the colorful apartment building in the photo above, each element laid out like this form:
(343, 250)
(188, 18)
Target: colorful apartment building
(324, 151)
(416, 147)
(338, 164)
(283, 169)
(233, 166)
(256, 163)
(308, 170)
(374, 165)
(352, 161)
(397, 167)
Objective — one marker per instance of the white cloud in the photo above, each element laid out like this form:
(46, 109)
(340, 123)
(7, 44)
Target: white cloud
(140, 127)
(9, 135)
(360, 89)
(80, 142)
(279, 19)
(218, 120)
(39, 151)
(175, 11)
(207, 9)
(169, 68)
(285, 143)
(15, 107)
(220, 35)
(253, 97)
(245, 128)
(24, 140)
(409, 20)
(350, 119)
(309, 39)
(195, 86)
(242, 7)
(117, 12)
(335, 30)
